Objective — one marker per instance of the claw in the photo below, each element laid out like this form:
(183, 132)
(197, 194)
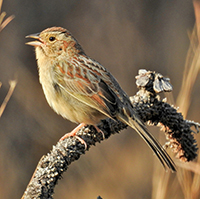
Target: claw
(73, 134)
(100, 131)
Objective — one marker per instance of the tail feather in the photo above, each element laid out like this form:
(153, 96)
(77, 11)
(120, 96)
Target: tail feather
(156, 147)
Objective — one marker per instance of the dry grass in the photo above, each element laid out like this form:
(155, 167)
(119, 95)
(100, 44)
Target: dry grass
(4, 23)
(9, 94)
(188, 175)
(12, 82)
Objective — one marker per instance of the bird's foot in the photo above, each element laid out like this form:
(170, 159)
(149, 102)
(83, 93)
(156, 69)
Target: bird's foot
(73, 134)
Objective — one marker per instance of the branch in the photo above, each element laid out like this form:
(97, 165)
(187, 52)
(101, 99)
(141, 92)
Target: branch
(148, 106)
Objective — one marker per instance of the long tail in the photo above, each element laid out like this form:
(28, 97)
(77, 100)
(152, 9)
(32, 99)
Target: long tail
(151, 141)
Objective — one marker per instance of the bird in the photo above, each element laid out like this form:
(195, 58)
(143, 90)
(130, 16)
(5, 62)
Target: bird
(83, 91)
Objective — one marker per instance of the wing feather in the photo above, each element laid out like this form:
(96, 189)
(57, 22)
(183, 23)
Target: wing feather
(90, 87)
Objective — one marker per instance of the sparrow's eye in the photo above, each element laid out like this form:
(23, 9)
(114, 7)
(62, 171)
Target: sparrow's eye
(52, 38)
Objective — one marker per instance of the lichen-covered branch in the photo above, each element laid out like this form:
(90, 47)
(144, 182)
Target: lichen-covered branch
(148, 106)
(157, 112)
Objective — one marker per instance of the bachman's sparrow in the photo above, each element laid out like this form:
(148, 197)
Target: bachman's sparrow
(82, 90)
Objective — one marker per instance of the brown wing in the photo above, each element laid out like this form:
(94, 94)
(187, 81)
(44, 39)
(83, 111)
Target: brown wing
(90, 83)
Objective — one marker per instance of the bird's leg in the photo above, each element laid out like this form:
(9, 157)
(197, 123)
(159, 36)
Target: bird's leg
(73, 133)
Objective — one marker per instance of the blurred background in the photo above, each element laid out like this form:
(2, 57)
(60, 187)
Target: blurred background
(124, 36)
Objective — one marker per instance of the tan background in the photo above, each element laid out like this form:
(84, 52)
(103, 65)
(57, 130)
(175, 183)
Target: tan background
(124, 36)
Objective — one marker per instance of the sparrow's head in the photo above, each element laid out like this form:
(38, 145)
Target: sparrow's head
(55, 41)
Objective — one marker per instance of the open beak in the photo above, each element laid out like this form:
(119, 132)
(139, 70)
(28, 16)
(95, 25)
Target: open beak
(35, 43)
